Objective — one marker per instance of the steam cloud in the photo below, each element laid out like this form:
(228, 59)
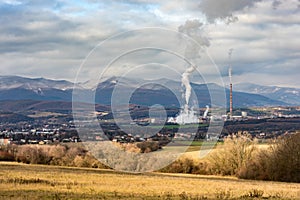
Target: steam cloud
(192, 28)
(213, 9)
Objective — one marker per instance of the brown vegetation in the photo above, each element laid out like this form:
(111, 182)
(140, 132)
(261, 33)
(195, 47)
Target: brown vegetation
(188, 166)
(281, 162)
(238, 156)
(63, 155)
(236, 152)
(147, 147)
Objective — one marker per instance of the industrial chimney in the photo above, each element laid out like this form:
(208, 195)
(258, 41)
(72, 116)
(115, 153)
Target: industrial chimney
(231, 104)
(230, 80)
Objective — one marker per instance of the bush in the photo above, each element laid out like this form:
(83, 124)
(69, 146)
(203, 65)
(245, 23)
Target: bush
(87, 161)
(281, 162)
(63, 155)
(71, 153)
(129, 147)
(148, 146)
(57, 152)
(32, 155)
(284, 159)
(7, 152)
(6, 156)
(256, 168)
(233, 156)
(186, 165)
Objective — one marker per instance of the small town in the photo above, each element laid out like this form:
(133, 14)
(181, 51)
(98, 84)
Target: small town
(282, 121)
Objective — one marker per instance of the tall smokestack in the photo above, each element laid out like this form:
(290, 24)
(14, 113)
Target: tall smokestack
(231, 104)
(230, 79)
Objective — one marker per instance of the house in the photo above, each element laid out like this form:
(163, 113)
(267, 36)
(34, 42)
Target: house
(4, 141)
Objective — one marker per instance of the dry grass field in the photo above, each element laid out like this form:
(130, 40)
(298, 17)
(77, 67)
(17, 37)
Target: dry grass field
(21, 181)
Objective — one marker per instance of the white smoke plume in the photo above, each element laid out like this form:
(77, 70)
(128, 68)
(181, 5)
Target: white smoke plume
(213, 9)
(223, 10)
(192, 28)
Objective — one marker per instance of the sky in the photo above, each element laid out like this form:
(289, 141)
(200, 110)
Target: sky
(53, 38)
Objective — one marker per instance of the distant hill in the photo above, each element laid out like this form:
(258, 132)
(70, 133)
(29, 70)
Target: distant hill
(34, 84)
(20, 88)
(9, 117)
(284, 94)
(162, 91)
(27, 106)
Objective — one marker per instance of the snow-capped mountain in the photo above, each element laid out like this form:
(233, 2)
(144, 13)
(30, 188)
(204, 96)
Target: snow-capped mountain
(17, 88)
(36, 84)
(162, 91)
(165, 92)
(285, 94)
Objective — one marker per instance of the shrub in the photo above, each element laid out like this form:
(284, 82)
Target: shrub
(63, 155)
(87, 161)
(130, 147)
(57, 152)
(186, 165)
(281, 162)
(32, 155)
(233, 156)
(284, 159)
(148, 146)
(256, 168)
(6, 156)
(7, 152)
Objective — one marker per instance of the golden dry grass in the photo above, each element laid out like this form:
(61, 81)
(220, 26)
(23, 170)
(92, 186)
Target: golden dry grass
(20, 181)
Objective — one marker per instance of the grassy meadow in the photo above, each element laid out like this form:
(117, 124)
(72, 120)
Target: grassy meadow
(22, 181)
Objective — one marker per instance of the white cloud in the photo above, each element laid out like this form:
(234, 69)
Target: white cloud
(51, 38)
(12, 2)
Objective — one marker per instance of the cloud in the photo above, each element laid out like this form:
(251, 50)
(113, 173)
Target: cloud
(51, 38)
(276, 3)
(12, 2)
(224, 9)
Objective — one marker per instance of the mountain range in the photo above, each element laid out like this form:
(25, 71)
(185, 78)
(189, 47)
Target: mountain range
(284, 94)
(162, 91)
